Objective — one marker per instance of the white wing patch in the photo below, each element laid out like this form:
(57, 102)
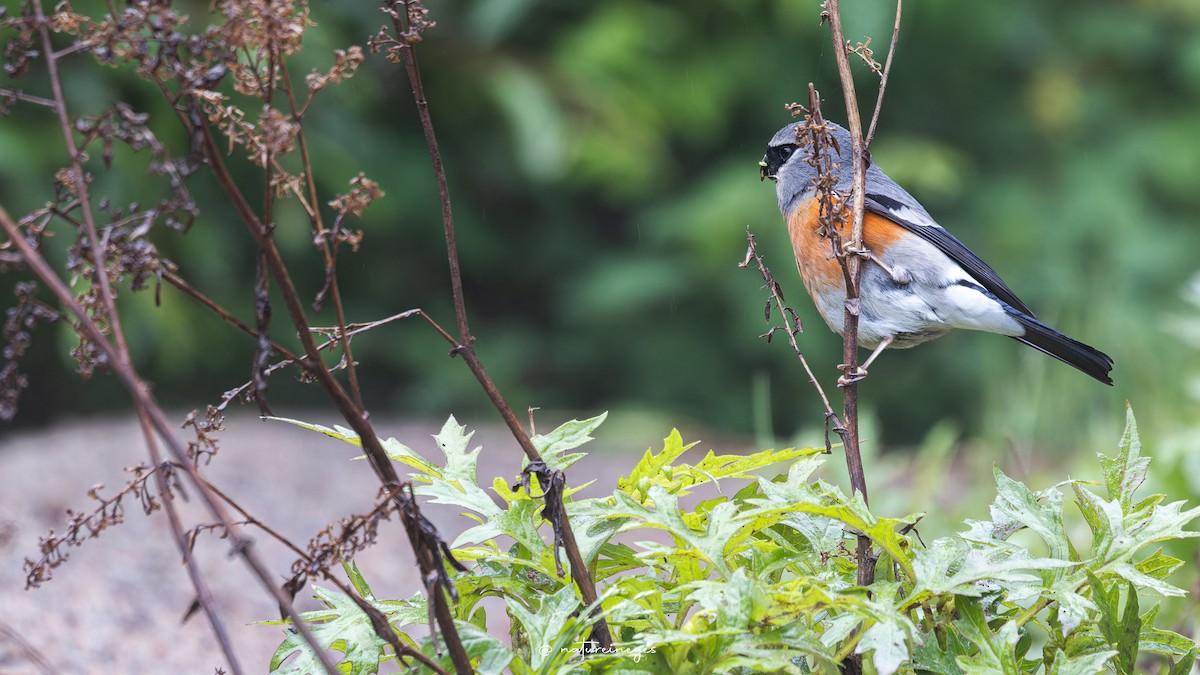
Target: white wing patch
(972, 308)
(911, 215)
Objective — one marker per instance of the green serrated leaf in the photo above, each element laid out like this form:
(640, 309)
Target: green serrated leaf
(489, 655)
(709, 538)
(357, 580)
(1141, 580)
(568, 436)
(1131, 630)
(461, 463)
(1184, 665)
(997, 652)
(1159, 565)
(343, 627)
(888, 644)
(1127, 471)
(340, 433)
(737, 603)
(1162, 641)
(1073, 609)
(797, 496)
(395, 450)
(651, 467)
(1040, 512)
(1120, 630)
(932, 657)
(1088, 664)
(952, 566)
(839, 628)
(552, 621)
(411, 612)
(1100, 520)
(658, 470)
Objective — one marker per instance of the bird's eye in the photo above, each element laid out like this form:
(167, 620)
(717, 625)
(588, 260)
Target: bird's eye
(786, 151)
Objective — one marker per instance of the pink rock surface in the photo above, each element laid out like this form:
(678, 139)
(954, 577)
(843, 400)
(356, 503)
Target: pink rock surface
(116, 605)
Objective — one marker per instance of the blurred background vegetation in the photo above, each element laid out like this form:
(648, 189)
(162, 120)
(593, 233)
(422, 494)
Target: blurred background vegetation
(603, 165)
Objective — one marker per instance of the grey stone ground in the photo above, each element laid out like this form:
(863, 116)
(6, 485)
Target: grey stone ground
(115, 606)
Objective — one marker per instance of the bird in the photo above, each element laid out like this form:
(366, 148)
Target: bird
(918, 281)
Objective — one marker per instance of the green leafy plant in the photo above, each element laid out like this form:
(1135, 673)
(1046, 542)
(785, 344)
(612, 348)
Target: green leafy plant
(762, 580)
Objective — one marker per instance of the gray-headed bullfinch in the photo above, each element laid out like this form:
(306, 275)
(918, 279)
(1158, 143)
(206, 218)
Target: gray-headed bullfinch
(918, 281)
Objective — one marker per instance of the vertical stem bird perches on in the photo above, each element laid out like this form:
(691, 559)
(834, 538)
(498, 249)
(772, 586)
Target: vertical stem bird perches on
(852, 264)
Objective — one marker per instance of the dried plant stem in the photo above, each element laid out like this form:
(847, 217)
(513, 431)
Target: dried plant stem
(192, 292)
(78, 176)
(328, 248)
(204, 595)
(354, 415)
(883, 77)
(852, 265)
(117, 352)
(383, 629)
(250, 519)
(28, 98)
(791, 327)
(148, 407)
(379, 622)
(465, 345)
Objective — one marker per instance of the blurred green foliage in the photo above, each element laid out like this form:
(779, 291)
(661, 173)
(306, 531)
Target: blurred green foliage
(602, 160)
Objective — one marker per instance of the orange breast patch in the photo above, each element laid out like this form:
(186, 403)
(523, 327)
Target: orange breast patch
(814, 254)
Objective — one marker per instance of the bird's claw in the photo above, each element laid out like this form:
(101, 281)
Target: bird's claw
(899, 275)
(852, 375)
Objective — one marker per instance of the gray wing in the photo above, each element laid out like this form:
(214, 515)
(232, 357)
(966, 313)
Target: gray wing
(917, 221)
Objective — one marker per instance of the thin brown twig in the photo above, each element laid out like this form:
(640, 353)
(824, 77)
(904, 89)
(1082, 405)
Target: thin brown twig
(379, 622)
(194, 293)
(355, 416)
(251, 520)
(119, 355)
(145, 402)
(204, 597)
(465, 345)
(328, 247)
(883, 78)
(353, 329)
(78, 175)
(28, 98)
(791, 327)
(383, 629)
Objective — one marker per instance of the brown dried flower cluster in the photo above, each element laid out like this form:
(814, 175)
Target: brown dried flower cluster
(340, 540)
(346, 63)
(19, 322)
(363, 191)
(204, 447)
(110, 511)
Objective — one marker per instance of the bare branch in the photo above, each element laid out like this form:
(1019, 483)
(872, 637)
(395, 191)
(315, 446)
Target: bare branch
(792, 327)
(852, 265)
(149, 407)
(423, 540)
(883, 77)
(18, 95)
(408, 26)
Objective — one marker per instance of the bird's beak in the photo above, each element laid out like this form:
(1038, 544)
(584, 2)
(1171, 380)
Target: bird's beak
(762, 170)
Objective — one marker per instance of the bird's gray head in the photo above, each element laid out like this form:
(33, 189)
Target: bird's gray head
(786, 163)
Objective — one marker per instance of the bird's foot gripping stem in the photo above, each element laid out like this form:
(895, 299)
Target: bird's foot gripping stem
(899, 275)
(859, 373)
(850, 375)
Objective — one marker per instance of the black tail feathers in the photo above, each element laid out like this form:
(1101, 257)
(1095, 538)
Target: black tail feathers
(1088, 359)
